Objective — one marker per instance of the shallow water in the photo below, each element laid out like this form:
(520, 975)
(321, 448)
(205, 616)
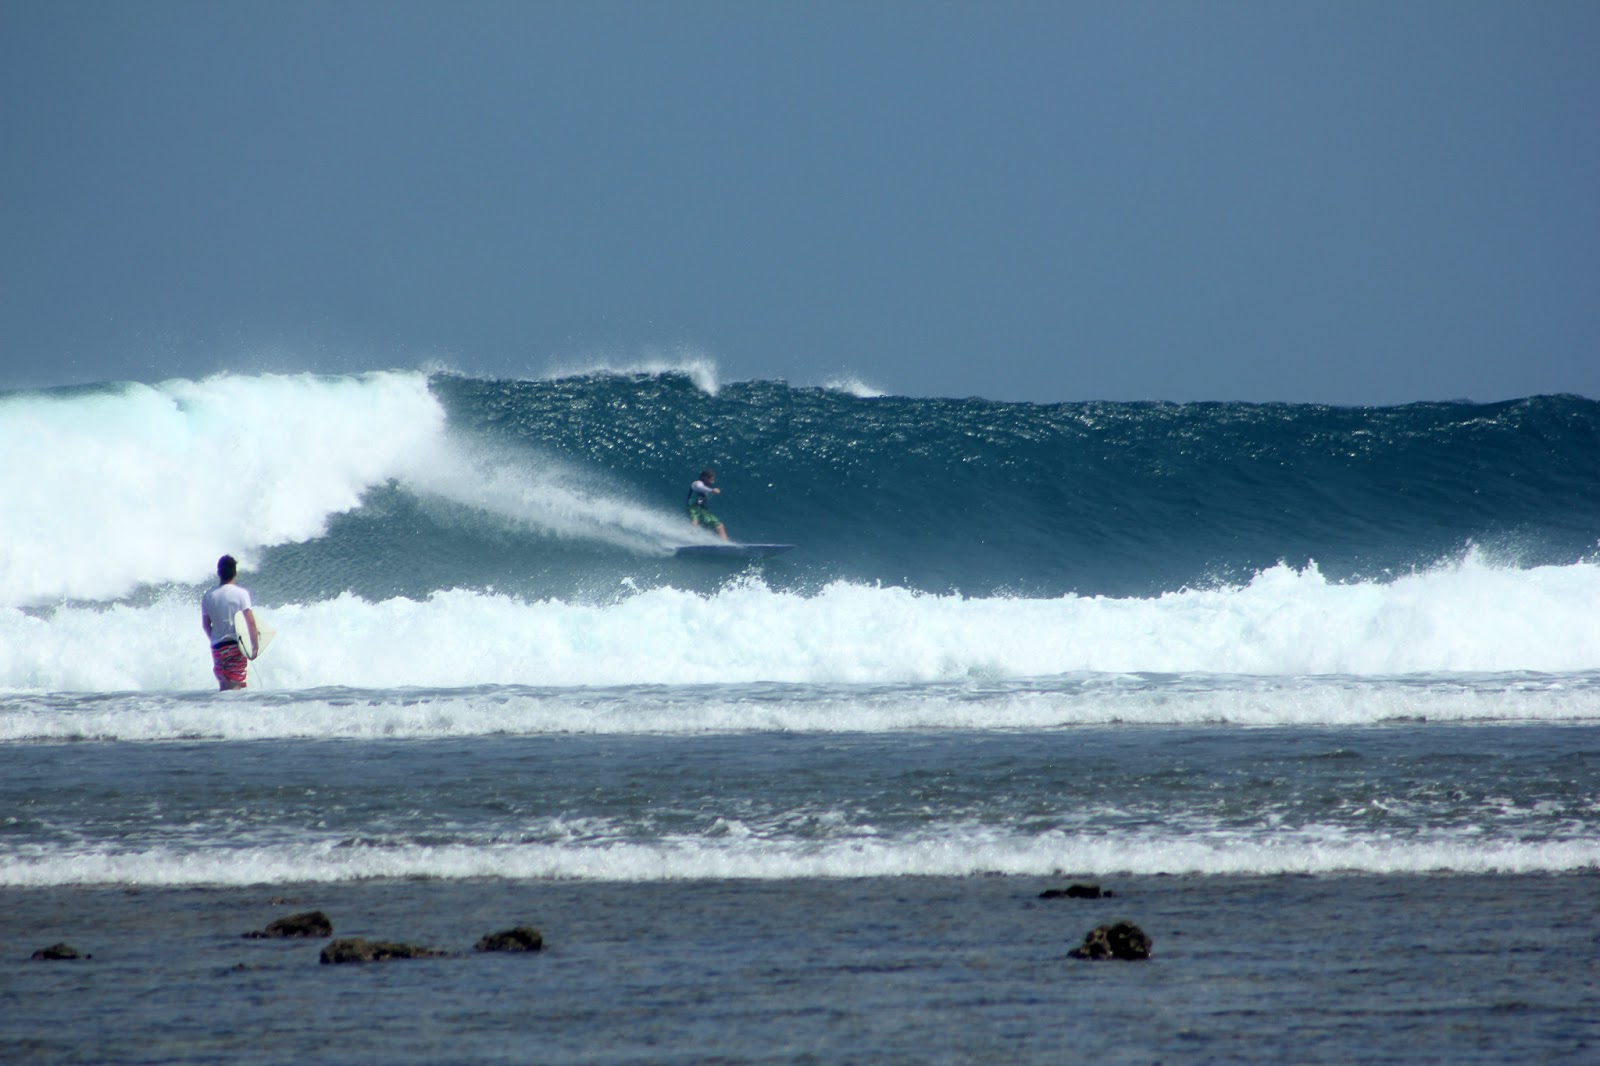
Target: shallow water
(754, 896)
(1448, 968)
(1402, 797)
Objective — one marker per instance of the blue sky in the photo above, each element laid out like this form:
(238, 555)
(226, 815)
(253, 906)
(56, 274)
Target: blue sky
(1342, 202)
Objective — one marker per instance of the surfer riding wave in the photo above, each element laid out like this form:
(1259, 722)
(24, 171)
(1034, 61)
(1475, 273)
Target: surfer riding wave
(699, 492)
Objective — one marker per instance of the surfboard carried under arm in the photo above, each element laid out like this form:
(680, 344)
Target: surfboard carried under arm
(264, 635)
(731, 550)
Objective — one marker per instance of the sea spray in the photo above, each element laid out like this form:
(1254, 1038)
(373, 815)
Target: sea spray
(110, 488)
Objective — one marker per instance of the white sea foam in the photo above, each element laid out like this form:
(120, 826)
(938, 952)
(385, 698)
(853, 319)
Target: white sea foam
(1465, 618)
(1069, 701)
(940, 851)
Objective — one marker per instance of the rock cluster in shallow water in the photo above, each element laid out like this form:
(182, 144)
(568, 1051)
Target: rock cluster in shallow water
(1123, 940)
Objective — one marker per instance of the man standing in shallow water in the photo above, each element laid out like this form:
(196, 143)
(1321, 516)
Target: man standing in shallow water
(217, 609)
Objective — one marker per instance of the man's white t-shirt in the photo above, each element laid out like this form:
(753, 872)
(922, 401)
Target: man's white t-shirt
(220, 605)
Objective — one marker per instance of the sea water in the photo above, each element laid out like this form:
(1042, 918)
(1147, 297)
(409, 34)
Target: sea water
(1288, 679)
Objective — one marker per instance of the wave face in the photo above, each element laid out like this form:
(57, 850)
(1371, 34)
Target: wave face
(437, 531)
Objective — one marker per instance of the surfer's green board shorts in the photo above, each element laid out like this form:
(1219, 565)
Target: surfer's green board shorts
(702, 517)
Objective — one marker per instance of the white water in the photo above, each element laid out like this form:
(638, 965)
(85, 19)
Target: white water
(1041, 704)
(145, 485)
(938, 850)
(1463, 618)
(142, 484)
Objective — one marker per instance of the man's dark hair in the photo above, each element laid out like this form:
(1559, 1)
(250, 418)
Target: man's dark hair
(227, 568)
(707, 474)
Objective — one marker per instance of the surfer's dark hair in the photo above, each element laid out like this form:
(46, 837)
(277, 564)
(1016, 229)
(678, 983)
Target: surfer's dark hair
(707, 472)
(227, 568)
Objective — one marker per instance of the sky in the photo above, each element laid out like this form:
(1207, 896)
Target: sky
(1350, 202)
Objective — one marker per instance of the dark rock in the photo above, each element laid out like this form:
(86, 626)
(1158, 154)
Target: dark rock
(522, 938)
(1078, 891)
(357, 950)
(58, 952)
(1121, 941)
(309, 924)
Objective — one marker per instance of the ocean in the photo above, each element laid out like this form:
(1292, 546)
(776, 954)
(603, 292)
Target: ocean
(1312, 693)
